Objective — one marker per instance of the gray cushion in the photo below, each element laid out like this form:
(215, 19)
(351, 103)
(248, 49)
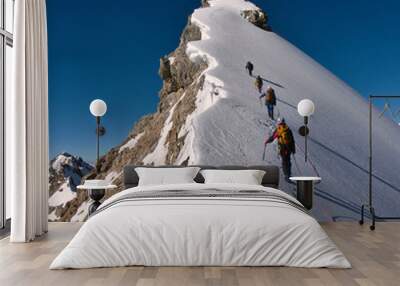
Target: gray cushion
(270, 179)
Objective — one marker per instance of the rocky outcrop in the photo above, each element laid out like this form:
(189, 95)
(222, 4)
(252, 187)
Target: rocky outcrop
(204, 3)
(257, 17)
(180, 85)
(184, 108)
(165, 68)
(181, 82)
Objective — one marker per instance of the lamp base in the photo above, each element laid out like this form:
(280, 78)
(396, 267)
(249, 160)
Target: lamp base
(305, 193)
(93, 207)
(96, 196)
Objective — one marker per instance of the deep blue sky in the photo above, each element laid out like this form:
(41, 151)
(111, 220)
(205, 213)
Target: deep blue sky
(111, 50)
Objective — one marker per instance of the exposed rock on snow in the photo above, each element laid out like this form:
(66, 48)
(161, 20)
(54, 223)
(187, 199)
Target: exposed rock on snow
(165, 68)
(81, 212)
(62, 195)
(204, 3)
(131, 143)
(257, 17)
(112, 176)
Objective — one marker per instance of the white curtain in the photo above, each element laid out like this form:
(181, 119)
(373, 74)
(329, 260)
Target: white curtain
(27, 122)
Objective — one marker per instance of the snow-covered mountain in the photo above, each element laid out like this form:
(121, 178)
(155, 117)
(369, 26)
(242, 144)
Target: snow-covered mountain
(66, 172)
(210, 113)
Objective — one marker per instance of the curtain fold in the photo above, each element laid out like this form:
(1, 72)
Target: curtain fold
(28, 120)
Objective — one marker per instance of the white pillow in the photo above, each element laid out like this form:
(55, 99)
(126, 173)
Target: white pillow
(248, 177)
(166, 176)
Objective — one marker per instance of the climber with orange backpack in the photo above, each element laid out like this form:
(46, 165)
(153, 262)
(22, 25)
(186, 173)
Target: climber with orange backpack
(270, 101)
(286, 144)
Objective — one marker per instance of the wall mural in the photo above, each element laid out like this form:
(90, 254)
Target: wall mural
(227, 99)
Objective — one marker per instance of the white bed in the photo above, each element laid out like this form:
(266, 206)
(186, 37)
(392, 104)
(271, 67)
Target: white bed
(208, 230)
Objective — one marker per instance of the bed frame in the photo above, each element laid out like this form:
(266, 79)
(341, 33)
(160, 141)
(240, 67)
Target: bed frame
(271, 177)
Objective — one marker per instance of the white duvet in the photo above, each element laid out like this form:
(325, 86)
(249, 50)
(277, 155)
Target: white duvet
(200, 231)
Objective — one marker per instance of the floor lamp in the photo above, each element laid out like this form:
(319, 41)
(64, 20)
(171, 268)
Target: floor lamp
(369, 206)
(98, 108)
(305, 108)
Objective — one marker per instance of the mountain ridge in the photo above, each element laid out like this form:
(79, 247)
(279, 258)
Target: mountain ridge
(209, 112)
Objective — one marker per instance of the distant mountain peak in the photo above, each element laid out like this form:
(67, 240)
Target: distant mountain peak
(65, 174)
(65, 160)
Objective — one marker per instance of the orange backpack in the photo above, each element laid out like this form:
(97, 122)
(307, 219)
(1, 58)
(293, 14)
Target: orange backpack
(284, 137)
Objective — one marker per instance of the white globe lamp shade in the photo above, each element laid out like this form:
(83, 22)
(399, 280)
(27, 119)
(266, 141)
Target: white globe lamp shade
(98, 107)
(306, 107)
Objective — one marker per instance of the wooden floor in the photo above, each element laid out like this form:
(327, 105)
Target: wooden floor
(375, 257)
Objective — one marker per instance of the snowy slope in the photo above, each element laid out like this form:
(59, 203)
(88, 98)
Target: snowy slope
(229, 126)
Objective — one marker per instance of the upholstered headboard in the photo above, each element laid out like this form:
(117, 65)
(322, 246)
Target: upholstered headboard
(271, 178)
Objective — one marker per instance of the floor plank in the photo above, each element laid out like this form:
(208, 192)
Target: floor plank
(375, 257)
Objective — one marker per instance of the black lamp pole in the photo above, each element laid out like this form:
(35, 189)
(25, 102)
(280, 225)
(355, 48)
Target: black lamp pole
(305, 137)
(97, 194)
(100, 131)
(98, 143)
(98, 108)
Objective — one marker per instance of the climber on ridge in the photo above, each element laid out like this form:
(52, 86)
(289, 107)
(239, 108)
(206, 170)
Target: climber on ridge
(250, 67)
(259, 83)
(286, 144)
(270, 101)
